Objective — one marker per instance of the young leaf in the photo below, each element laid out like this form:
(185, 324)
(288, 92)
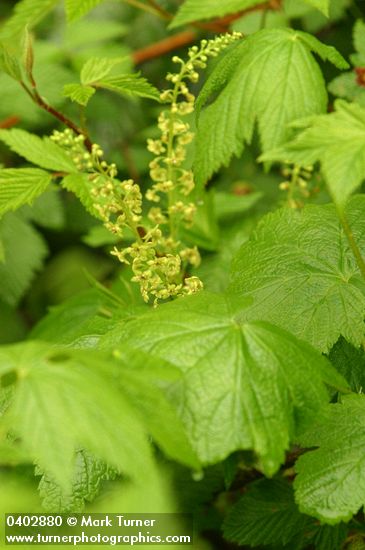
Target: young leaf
(246, 386)
(43, 152)
(28, 53)
(271, 78)
(129, 85)
(61, 402)
(265, 514)
(97, 68)
(330, 481)
(78, 93)
(337, 140)
(88, 475)
(24, 252)
(300, 273)
(196, 10)
(325, 52)
(94, 74)
(78, 8)
(9, 64)
(19, 186)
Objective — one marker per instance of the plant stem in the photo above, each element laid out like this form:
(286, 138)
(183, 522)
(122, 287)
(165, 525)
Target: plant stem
(133, 226)
(263, 18)
(83, 119)
(171, 175)
(171, 172)
(351, 239)
(36, 98)
(164, 46)
(293, 185)
(183, 38)
(9, 122)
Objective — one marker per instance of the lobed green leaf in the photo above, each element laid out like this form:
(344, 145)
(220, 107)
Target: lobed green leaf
(97, 68)
(337, 141)
(330, 482)
(245, 385)
(61, 402)
(129, 85)
(265, 514)
(300, 273)
(269, 79)
(78, 93)
(88, 476)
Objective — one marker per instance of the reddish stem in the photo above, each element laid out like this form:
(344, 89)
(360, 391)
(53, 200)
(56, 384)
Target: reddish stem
(9, 122)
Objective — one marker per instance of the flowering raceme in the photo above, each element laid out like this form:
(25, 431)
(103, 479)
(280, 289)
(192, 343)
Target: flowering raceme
(159, 259)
